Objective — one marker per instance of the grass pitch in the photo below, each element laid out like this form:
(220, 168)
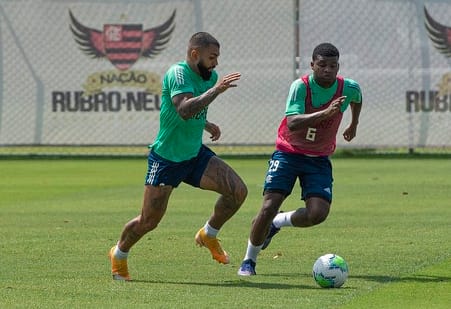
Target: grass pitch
(390, 220)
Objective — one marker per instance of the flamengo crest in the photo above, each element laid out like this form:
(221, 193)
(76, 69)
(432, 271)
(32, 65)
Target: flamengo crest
(122, 44)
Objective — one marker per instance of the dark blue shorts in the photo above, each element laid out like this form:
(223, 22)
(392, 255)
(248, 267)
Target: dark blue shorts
(314, 173)
(162, 172)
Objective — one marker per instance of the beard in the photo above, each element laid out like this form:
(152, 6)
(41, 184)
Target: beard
(203, 70)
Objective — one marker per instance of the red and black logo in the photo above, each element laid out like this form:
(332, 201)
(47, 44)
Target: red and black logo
(433, 100)
(439, 34)
(122, 44)
(113, 90)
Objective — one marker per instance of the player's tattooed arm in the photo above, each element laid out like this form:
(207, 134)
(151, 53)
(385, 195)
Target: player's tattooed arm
(214, 130)
(187, 105)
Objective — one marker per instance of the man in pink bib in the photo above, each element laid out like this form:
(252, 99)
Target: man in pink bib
(305, 140)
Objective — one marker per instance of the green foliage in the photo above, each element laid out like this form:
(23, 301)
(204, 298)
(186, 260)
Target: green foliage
(390, 220)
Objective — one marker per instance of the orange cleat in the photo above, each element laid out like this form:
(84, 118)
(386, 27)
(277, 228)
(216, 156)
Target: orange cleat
(212, 244)
(119, 268)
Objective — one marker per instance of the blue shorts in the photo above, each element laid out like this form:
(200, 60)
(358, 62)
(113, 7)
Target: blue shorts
(162, 172)
(314, 173)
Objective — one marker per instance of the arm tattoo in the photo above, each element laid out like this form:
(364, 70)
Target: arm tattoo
(196, 104)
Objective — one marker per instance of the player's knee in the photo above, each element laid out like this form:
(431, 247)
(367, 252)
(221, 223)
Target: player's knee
(319, 219)
(237, 193)
(240, 194)
(318, 216)
(269, 210)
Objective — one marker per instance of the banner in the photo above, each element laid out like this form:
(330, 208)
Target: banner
(90, 72)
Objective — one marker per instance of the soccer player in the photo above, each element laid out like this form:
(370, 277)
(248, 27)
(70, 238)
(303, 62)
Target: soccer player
(306, 138)
(177, 154)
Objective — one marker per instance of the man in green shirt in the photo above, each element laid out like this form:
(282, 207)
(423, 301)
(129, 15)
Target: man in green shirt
(177, 154)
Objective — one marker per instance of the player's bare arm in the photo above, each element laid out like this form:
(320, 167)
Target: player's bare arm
(214, 130)
(296, 122)
(188, 106)
(351, 130)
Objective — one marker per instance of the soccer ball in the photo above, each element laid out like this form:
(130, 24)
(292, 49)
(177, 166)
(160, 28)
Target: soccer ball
(330, 271)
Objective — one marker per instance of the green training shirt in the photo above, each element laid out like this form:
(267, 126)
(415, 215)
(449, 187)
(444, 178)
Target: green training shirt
(296, 98)
(179, 140)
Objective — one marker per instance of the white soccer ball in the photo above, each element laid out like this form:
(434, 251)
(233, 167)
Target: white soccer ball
(330, 271)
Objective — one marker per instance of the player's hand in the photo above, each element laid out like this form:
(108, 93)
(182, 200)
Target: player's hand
(335, 106)
(228, 81)
(350, 133)
(214, 130)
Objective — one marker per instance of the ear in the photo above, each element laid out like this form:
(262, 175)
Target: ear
(311, 64)
(194, 54)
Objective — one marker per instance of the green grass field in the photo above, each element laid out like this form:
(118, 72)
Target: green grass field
(391, 221)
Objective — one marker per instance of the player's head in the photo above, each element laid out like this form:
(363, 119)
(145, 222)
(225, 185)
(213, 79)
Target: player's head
(325, 50)
(203, 52)
(325, 64)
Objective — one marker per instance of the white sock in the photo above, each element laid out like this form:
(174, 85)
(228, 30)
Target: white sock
(252, 251)
(283, 219)
(211, 232)
(120, 255)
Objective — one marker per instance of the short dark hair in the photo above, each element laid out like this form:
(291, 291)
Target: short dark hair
(325, 50)
(202, 39)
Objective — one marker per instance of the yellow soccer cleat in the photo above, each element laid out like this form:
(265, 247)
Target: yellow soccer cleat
(119, 268)
(212, 243)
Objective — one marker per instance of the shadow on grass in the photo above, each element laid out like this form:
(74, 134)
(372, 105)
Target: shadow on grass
(414, 278)
(248, 282)
(242, 283)
(251, 282)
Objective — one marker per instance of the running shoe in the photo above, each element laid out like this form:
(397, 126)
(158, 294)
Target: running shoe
(212, 244)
